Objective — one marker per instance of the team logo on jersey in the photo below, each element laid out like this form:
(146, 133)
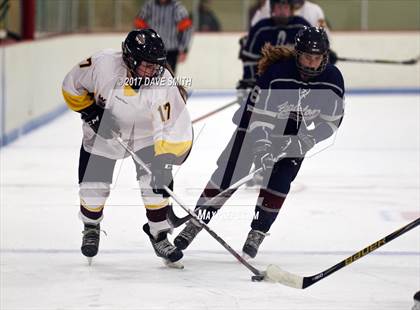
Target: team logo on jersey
(141, 39)
(303, 93)
(298, 111)
(295, 111)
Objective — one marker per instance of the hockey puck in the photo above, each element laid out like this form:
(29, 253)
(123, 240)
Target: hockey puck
(257, 278)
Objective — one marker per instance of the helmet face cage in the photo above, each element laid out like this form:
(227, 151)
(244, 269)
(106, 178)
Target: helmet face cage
(308, 71)
(143, 45)
(312, 40)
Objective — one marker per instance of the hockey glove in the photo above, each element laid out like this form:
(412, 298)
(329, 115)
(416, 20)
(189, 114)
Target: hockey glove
(161, 175)
(100, 120)
(263, 156)
(299, 145)
(243, 88)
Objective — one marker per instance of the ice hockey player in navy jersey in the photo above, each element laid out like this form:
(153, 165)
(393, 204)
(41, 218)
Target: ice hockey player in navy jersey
(297, 102)
(280, 29)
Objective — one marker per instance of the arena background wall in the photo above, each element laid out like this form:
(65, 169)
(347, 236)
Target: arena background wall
(32, 72)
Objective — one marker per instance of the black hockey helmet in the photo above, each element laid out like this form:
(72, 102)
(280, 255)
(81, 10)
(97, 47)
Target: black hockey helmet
(143, 44)
(312, 40)
(273, 2)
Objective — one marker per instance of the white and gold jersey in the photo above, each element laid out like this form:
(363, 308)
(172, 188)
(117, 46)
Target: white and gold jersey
(156, 114)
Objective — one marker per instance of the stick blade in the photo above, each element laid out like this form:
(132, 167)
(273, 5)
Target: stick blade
(410, 61)
(275, 274)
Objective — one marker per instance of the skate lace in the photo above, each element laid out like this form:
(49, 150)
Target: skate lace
(164, 247)
(190, 231)
(255, 238)
(91, 235)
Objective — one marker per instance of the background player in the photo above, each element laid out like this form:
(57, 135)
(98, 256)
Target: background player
(308, 10)
(296, 103)
(109, 91)
(278, 29)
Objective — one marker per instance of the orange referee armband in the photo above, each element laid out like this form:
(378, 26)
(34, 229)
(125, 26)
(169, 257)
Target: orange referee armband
(184, 24)
(140, 23)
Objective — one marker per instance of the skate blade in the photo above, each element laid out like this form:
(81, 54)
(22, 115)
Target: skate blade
(89, 259)
(246, 256)
(175, 265)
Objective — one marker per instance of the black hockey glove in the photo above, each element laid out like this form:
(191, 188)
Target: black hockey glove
(299, 145)
(333, 57)
(100, 120)
(161, 175)
(243, 88)
(263, 155)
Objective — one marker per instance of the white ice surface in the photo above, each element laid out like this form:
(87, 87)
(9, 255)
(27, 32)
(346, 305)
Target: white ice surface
(362, 188)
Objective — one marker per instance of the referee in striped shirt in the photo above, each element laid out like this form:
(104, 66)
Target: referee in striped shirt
(171, 21)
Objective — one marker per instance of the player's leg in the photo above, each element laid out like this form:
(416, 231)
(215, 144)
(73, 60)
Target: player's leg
(95, 177)
(157, 206)
(233, 164)
(270, 201)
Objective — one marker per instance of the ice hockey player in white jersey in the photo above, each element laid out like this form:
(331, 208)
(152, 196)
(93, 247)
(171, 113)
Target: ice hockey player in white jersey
(134, 95)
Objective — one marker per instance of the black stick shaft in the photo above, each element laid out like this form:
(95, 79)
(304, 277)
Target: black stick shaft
(213, 234)
(308, 281)
(380, 61)
(214, 112)
(191, 213)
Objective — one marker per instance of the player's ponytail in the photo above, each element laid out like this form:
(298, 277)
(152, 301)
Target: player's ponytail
(182, 90)
(272, 54)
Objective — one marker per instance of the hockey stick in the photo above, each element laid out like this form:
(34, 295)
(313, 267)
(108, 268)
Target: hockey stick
(177, 221)
(214, 111)
(273, 272)
(276, 274)
(412, 61)
(137, 159)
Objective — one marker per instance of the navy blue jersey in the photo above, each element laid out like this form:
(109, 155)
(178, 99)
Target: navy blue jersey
(268, 31)
(283, 104)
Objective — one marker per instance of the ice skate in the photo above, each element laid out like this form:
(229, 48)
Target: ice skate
(187, 235)
(164, 249)
(252, 243)
(90, 241)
